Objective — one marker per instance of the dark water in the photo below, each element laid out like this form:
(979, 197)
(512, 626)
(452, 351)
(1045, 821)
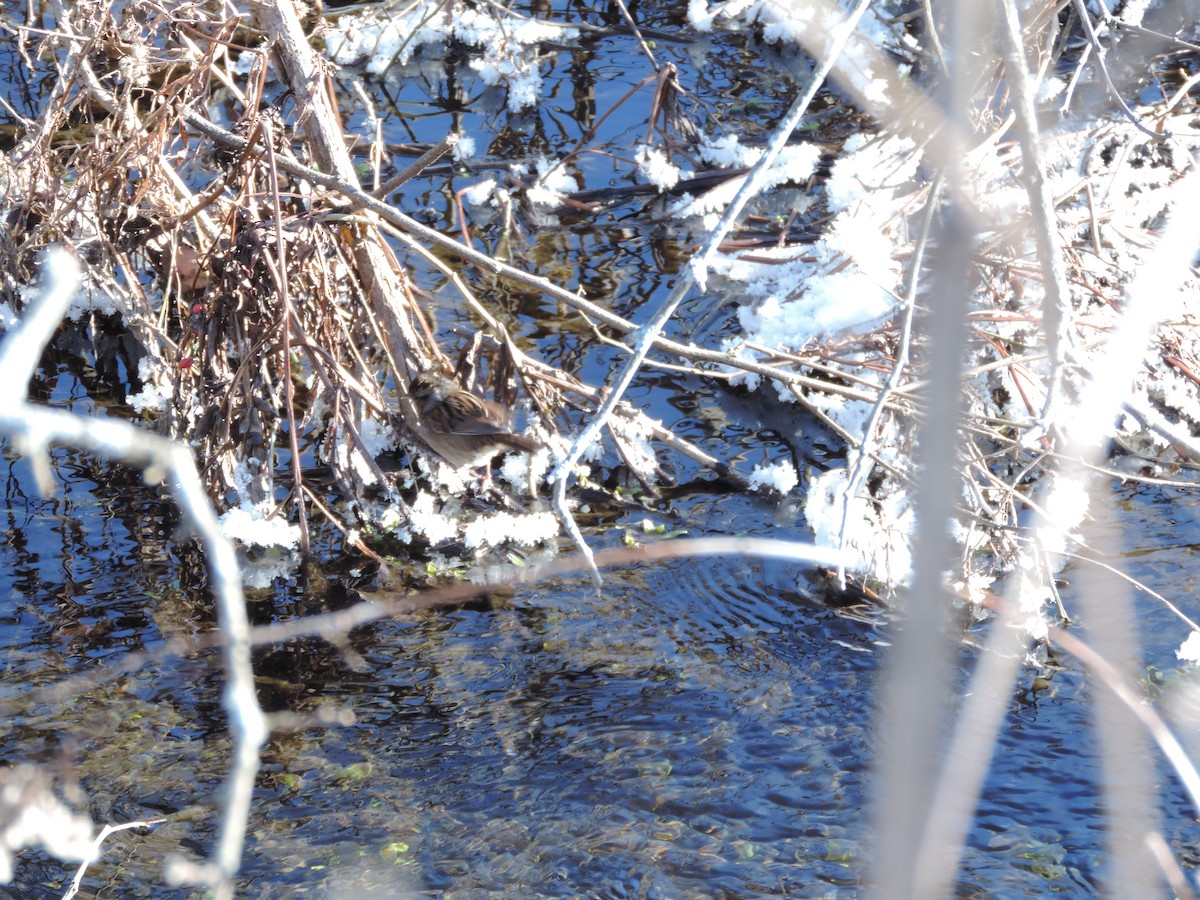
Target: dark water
(698, 729)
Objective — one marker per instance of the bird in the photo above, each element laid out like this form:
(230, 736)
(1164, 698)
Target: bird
(461, 427)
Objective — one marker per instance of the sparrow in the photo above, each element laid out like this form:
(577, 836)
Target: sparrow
(461, 427)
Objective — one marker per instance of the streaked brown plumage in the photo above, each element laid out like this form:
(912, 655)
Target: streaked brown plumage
(460, 426)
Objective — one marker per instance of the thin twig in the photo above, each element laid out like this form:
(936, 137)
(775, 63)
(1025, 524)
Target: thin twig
(417, 166)
(1094, 41)
(34, 428)
(637, 34)
(697, 270)
(97, 844)
(286, 321)
(1135, 702)
(858, 472)
(1056, 300)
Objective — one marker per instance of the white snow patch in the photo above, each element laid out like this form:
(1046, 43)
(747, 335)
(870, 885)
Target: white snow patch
(250, 525)
(1189, 650)
(778, 476)
(156, 393)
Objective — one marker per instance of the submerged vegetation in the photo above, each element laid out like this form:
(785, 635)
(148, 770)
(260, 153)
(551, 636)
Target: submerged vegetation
(979, 312)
